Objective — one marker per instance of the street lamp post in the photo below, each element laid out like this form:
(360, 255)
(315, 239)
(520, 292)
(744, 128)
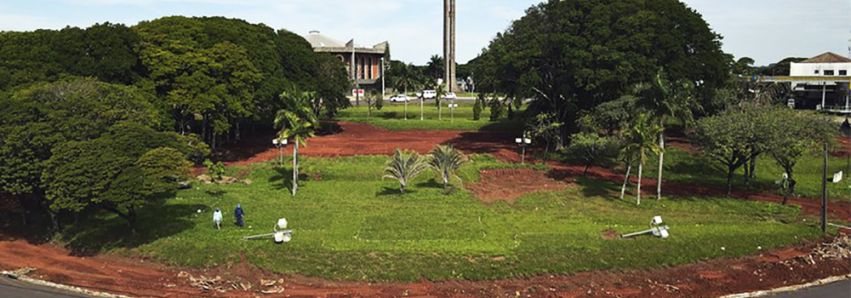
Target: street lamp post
(523, 142)
(280, 144)
(452, 107)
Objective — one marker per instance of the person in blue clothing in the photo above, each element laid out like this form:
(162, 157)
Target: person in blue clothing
(239, 214)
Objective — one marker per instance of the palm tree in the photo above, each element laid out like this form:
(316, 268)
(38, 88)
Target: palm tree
(404, 167)
(296, 122)
(440, 90)
(406, 78)
(666, 99)
(446, 160)
(640, 142)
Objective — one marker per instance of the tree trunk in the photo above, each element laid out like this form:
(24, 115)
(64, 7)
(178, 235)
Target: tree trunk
(54, 220)
(131, 220)
(638, 187)
(661, 165)
(729, 180)
(791, 189)
(753, 167)
(626, 179)
(295, 168)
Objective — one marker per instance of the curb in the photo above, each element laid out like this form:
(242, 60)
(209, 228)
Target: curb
(820, 282)
(72, 289)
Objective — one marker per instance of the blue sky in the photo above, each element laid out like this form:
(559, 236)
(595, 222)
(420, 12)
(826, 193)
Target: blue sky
(766, 30)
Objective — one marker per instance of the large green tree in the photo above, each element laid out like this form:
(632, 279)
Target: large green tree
(119, 171)
(35, 120)
(573, 55)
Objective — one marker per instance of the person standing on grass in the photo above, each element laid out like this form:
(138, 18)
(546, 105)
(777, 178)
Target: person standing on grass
(239, 214)
(217, 218)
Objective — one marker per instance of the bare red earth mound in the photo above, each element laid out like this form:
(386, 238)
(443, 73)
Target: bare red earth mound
(510, 184)
(351, 139)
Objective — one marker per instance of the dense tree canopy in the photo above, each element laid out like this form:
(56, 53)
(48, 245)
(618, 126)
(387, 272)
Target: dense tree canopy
(37, 119)
(118, 171)
(104, 51)
(573, 55)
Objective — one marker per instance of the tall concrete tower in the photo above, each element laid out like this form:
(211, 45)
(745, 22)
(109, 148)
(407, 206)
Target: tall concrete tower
(449, 45)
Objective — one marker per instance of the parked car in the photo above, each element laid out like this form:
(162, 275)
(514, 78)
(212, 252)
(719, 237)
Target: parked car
(427, 94)
(450, 96)
(399, 98)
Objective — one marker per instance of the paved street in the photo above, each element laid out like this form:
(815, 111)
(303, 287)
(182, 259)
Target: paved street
(15, 288)
(840, 289)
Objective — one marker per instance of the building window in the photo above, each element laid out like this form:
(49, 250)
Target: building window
(816, 72)
(370, 68)
(828, 72)
(843, 72)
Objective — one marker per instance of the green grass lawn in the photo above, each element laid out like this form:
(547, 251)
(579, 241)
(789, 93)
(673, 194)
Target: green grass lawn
(352, 225)
(392, 116)
(682, 166)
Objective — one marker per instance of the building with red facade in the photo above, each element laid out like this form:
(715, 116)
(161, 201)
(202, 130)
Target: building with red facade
(364, 64)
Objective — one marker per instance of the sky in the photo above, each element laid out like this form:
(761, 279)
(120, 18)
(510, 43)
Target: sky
(765, 30)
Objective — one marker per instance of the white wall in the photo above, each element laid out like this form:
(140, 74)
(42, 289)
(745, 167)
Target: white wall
(808, 69)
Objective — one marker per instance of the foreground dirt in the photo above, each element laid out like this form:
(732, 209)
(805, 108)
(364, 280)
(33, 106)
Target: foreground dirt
(139, 277)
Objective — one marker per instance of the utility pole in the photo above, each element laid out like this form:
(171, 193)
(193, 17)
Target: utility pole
(382, 78)
(824, 192)
(355, 73)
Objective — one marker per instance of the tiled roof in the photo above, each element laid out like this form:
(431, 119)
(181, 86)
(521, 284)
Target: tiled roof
(828, 58)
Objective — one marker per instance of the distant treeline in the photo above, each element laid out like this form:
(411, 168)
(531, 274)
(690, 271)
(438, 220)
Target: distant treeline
(212, 76)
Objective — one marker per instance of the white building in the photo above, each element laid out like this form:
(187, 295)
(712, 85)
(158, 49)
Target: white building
(823, 81)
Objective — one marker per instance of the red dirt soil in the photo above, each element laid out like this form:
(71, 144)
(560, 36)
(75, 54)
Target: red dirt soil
(364, 139)
(510, 184)
(706, 279)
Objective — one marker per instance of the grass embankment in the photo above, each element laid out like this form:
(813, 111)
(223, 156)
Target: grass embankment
(681, 166)
(352, 225)
(392, 116)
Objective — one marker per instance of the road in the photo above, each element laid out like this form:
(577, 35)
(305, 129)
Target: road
(15, 288)
(841, 289)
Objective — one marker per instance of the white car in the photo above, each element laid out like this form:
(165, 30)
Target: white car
(450, 96)
(399, 98)
(428, 94)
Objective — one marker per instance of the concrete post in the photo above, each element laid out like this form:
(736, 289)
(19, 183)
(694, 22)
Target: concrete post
(449, 45)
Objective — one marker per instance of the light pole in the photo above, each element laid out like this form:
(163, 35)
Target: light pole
(280, 144)
(523, 142)
(452, 107)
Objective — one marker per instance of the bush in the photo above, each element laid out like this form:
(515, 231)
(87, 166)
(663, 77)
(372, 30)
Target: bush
(496, 108)
(477, 107)
(216, 170)
(591, 149)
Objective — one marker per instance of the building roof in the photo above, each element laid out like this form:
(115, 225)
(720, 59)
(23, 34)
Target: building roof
(828, 57)
(322, 43)
(317, 40)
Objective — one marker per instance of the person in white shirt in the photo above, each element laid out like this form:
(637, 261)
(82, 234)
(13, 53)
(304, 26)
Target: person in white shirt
(217, 218)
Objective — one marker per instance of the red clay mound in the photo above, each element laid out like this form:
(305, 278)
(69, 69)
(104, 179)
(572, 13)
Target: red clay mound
(510, 184)
(351, 139)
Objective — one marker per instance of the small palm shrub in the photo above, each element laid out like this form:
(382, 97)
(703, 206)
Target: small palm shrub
(404, 167)
(446, 160)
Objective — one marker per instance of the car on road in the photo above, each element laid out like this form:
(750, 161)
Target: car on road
(450, 96)
(399, 98)
(427, 94)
